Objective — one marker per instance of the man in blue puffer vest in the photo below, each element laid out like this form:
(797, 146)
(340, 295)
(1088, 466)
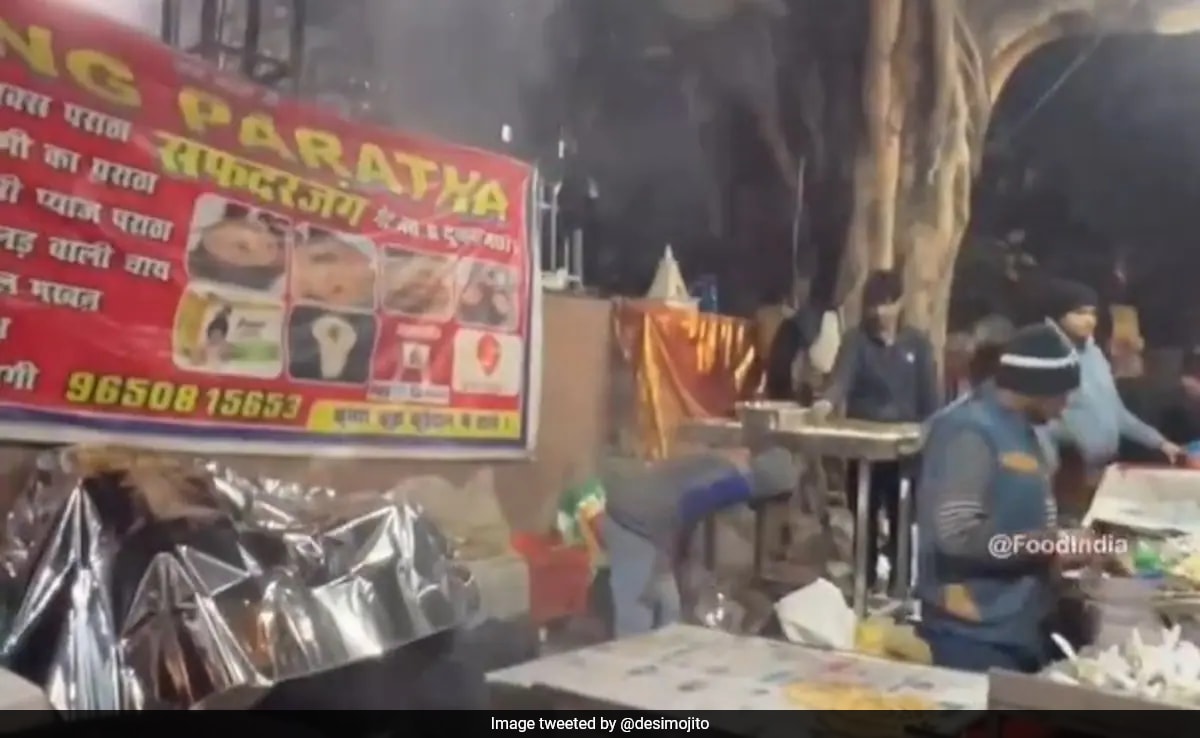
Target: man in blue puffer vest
(985, 479)
(648, 511)
(1095, 419)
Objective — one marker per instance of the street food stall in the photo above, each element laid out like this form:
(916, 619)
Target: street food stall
(767, 423)
(849, 440)
(1140, 615)
(1156, 511)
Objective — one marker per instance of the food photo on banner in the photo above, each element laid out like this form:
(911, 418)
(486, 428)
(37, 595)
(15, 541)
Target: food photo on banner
(224, 270)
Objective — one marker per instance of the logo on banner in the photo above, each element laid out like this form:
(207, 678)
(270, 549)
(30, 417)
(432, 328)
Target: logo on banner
(488, 353)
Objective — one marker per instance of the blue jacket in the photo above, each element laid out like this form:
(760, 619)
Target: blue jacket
(1096, 418)
(1004, 602)
(927, 426)
(660, 501)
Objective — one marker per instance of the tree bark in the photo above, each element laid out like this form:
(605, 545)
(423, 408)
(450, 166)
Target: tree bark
(932, 72)
(895, 97)
(926, 108)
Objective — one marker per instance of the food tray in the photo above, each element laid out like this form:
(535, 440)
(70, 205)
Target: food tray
(761, 418)
(790, 425)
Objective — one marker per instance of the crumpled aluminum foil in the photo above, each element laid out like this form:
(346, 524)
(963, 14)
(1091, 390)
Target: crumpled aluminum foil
(149, 584)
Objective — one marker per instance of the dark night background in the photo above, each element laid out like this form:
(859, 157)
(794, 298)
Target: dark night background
(1116, 159)
(1102, 169)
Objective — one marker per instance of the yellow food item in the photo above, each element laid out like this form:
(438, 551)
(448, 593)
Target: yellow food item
(1188, 569)
(903, 644)
(870, 637)
(884, 639)
(852, 697)
(833, 699)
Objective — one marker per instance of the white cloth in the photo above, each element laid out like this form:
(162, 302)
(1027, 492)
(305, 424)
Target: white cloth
(823, 351)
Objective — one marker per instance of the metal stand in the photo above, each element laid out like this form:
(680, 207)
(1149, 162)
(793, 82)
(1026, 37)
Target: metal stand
(786, 424)
(263, 40)
(866, 443)
(905, 551)
(862, 527)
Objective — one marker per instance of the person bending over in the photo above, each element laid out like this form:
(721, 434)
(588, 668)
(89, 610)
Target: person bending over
(650, 510)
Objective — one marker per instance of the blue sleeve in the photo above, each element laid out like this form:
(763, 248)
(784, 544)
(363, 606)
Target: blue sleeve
(1135, 429)
(1130, 426)
(700, 502)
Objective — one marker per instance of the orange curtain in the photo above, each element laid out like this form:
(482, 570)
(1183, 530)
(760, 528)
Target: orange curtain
(685, 365)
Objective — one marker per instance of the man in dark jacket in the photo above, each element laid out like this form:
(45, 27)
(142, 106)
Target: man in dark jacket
(988, 520)
(885, 372)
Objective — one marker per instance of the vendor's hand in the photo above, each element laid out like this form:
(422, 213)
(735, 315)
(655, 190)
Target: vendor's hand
(1173, 452)
(821, 410)
(1077, 547)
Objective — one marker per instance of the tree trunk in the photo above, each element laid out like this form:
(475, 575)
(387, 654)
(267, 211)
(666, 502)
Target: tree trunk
(932, 71)
(926, 108)
(891, 167)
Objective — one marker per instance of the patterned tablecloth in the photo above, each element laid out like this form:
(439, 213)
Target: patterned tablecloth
(1152, 499)
(684, 667)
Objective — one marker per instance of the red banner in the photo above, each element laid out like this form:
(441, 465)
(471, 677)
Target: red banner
(190, 261)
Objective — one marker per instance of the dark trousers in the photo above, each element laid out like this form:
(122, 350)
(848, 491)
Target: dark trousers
(885, 498)
(956, 651)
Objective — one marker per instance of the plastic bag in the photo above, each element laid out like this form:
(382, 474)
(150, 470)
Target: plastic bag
(817, 615)
(721, 604)
(579, 510)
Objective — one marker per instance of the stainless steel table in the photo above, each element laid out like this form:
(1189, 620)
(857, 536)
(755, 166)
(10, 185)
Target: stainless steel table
(790, 426)
(712, 432)
(787, 424)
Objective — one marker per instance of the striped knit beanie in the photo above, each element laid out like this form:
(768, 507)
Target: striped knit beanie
(1037, 362)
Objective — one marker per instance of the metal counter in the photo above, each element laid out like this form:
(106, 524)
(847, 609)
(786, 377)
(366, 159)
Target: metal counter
(1074, 707)
(712, 432)
(764, 424)
(791, 426)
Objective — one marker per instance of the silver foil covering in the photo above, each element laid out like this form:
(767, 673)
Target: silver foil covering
(146, 584)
